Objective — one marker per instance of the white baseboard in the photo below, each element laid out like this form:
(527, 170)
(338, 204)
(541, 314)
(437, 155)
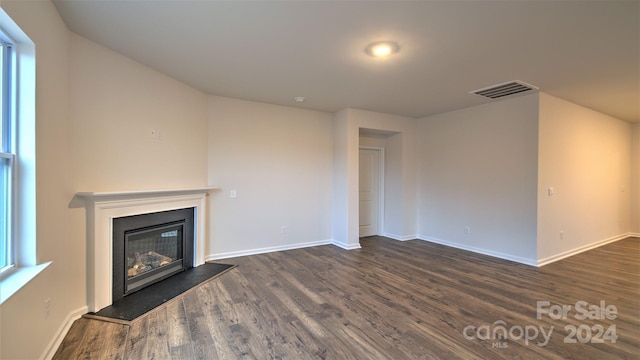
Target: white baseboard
(346, 246)
(400, 237)
(54, 344)
(578, 250)
(265, 250)
(474, 249)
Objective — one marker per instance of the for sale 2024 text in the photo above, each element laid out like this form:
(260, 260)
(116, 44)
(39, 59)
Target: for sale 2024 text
(582, 310)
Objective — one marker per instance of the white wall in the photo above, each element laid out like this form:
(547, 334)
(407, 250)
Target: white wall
(116, 103)
(93, 111)
(585, 156)
(394, 191)
(478, 168)
(279, 160)
(373, 141)
(634, 225)
(345, 182)
(25, 329)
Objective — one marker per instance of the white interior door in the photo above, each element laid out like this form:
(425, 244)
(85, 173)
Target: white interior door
(369, 192)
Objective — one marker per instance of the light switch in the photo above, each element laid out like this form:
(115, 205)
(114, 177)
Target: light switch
(233, 194)
(551, 191)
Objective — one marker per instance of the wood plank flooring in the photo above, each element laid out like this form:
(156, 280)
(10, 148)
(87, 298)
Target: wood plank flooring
(388, 300)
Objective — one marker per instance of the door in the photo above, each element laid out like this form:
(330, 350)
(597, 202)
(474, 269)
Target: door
(369, 192)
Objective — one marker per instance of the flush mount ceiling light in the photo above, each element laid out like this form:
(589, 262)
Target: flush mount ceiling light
(382, 48)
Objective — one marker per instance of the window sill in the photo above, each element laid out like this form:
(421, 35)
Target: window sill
(18, 279)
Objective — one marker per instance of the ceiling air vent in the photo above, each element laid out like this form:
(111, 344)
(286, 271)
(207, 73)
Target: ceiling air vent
(504, 89)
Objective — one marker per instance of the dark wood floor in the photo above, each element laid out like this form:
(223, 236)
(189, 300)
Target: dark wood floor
(388, 300)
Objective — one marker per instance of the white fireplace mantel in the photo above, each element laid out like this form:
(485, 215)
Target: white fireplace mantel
(103, 207)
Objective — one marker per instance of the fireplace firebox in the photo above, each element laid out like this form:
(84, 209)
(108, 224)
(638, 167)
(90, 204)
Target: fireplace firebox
(148, 248)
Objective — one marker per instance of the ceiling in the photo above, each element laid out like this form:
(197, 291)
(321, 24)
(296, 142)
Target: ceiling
(584, 52)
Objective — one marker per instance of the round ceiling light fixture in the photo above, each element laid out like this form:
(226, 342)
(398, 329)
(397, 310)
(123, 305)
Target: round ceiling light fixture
(382, 48)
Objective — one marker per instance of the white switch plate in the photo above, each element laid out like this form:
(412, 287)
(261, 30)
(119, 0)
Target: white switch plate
(551, 191)
(233, 194)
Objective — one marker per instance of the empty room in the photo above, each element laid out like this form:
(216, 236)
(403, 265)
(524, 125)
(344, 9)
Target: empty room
(200, 179)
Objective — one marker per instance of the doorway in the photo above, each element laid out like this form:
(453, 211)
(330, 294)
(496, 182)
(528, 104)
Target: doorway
(370, 191)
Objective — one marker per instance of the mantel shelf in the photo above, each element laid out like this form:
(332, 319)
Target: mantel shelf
(138, 194)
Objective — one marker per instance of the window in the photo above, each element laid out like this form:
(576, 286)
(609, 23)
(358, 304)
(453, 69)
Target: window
(18, 260)
(7, 153)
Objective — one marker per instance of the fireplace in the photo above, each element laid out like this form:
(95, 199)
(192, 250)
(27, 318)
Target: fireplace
(148, 248)
(103, 207)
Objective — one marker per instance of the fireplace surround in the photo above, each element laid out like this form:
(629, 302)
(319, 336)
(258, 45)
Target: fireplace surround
(148, 248)
(103, 207)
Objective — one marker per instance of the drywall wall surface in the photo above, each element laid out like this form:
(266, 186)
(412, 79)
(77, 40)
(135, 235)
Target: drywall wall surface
(585, 157)
(278, 161)
(394, 190)
(95, 111)
(477, 178)
(634, 224)
(27, 326)
(345, 186)
(133, 127)
(371, 141)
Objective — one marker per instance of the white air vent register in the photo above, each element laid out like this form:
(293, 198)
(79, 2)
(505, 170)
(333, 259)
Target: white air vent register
(504, 89)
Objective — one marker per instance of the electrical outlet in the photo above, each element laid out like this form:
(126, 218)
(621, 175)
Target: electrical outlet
(467, 230)
(233, 194)
(156, 134)
(561, 235)
(284, 229)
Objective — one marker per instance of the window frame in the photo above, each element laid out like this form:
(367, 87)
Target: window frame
(23, 116)
(8, 148)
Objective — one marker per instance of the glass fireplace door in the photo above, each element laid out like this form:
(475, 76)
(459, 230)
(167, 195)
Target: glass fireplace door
(153, 254)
